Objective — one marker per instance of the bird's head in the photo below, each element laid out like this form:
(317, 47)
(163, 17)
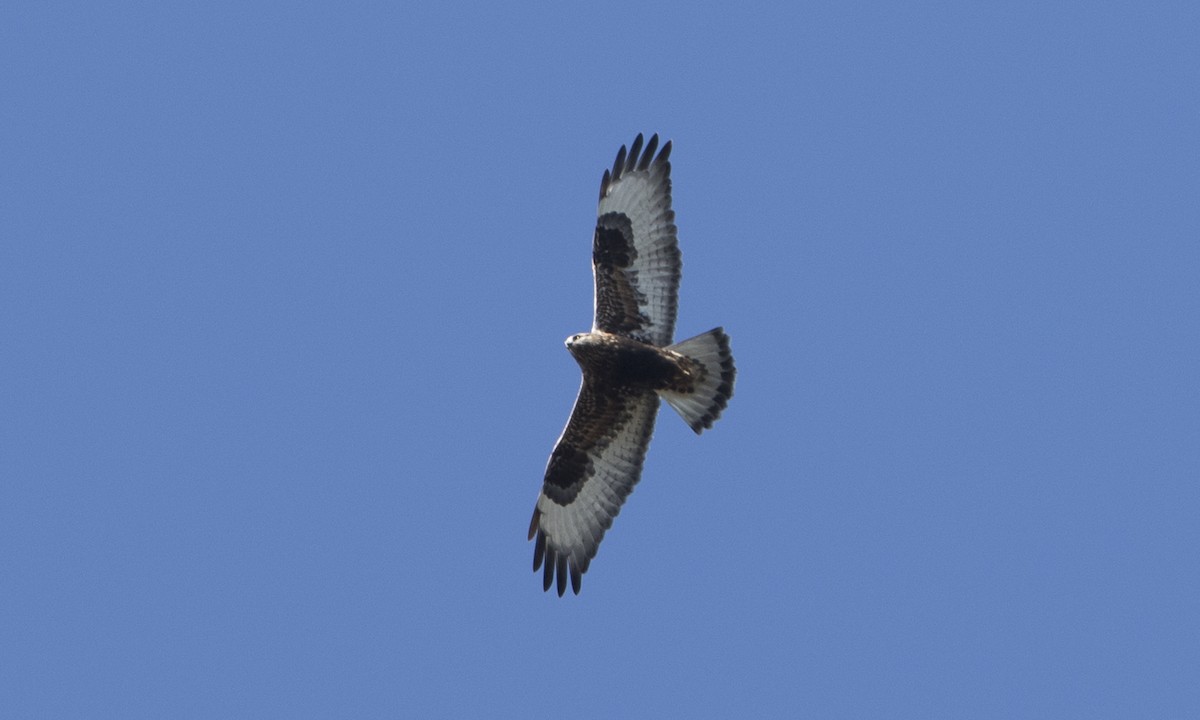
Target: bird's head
(580, 343)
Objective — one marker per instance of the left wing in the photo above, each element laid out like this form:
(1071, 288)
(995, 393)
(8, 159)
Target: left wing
(593, 468)
(635, 254)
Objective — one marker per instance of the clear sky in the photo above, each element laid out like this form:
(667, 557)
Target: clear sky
(283, 292)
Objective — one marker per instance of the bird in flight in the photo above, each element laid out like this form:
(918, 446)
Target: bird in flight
(628, 361)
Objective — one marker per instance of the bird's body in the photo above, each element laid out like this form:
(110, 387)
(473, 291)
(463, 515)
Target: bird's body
(628, 363)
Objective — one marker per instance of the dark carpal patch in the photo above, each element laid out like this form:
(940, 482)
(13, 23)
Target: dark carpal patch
(612, 245)
(568, 470)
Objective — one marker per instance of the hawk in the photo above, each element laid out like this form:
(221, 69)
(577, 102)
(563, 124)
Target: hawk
(628, 363)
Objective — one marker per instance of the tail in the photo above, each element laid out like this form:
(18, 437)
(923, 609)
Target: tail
(714, 380)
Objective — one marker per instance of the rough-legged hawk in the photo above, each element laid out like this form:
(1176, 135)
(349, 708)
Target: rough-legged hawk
(628, 363)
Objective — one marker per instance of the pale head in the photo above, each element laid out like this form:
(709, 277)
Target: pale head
(581, 344)
(581, 339)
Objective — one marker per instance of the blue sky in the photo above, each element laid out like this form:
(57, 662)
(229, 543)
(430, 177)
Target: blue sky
(283, 292)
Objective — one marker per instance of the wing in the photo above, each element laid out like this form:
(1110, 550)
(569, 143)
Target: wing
(635, 254)
(593, 468)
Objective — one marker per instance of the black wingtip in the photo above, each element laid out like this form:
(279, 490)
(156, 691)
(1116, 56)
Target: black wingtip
(664, 155)
(535, 523)
(562, 574)
(634, 158)
(576, 578)
(539, 551)
(548, 572)
(648, 155)
(619, 164)
(634, 154)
